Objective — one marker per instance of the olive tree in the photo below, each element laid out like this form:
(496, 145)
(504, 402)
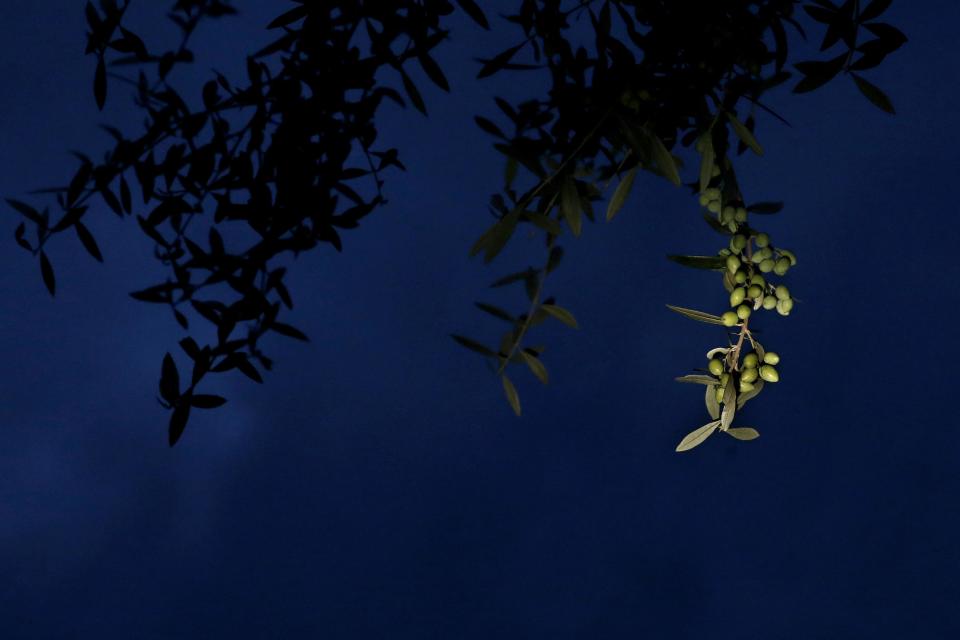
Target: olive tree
(672, 88)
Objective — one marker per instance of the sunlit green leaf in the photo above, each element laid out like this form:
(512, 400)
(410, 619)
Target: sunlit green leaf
(710, 398)
(744, 134)
(536, 366)
(511, 392)
(570, 206)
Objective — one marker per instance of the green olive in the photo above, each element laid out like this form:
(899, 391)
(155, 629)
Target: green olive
(745, 386)
(729, 212)
(749, 375)
(716, 367)
(704, 200)
(740, 277)
(769, 374)
(789, 256)
(714, 206)
(715, 172)
(757, 279)
(784, 307)
(713, 193)
(782, 266)
(724, 252)
(737, 296)
(733, 263)
(740, 215)
(762, 240)
(771, 357)
(754, 292)
(769, 302)
(729, 319)
(739, 241)
(782, 292)
(750, 361)
(756, 258)
(766, 252)
(743, 311)
(766, 265)
(724, 379)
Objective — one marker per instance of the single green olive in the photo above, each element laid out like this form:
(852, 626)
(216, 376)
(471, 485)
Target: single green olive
(769, 303)
(740, 277)
(739, 241)
(749, 375)
(743, 311)
(766, 265)
(769, 374)
(724, 252)
(789, 256)
(729, 319)
(757, 279)
(704, 200)
(715, 367)
(781, 267)
(737, 296)
(733, 263)
(762, 240)
(782, 292)
(756, 258)
(784, 307)
(729, 212)
(771, 357)
(745, 386)
(724, 379)
(713, 206)
(754, 292)
(750, 361)
(766, 252)
(713, 193)
(740, 215)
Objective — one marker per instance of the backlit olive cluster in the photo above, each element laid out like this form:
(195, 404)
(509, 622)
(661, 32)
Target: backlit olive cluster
(749, 289)
(751, 369)
(730, 215)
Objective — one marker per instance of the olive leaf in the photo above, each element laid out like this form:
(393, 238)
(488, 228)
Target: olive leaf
(710, 398)
(512, 397)
(707, 162)
(729, 406)
(697, 379)
(697, 436)
(748, 395)
(561, 314)
(621, 192)
(713, 263)
(743, 433)
(744, 134)
(536, 366)
(693, 314)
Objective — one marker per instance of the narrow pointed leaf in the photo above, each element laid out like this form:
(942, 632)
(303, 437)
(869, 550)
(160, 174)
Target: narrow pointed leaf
(475, 12)
(207, 401)
(693, 314)
(511, 392)
(744, 134)
(873, 93)
(46, 272)
(621, 193)
(570, 206)
(697, 436)
(666, 161)
(700, 262)
(713, 407)
(88, 241)
(473, 345)
(697, 379)
(707, 162)
(536, 367)
(178, 422)
(561, 314)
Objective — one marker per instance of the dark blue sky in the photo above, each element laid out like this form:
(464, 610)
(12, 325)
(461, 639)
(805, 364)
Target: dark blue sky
(379, 486)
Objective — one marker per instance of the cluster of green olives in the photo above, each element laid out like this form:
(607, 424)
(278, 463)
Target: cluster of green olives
(753, 368)
(750, 290)
(729, 215)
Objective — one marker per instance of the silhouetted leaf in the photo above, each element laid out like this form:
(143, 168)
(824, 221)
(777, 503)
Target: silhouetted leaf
(290, 332)
(873, 93)
(473, 345)
(570, 206)
(27, 211)
(475, 12)
(765, 207)
(817, 74)
(496, 312)
(412, 92)
(169, 380)
(247, 369)
(664, 159)
(433, 71)
(489, 127)
(874, 9)
(700, 262)
(46, 272)
(707, 162)
(88, 241)
(178, 422)
(207, 401)
(291, 16)
(100, 84)
(498, 62)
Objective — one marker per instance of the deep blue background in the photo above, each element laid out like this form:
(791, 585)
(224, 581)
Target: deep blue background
(379, 486)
